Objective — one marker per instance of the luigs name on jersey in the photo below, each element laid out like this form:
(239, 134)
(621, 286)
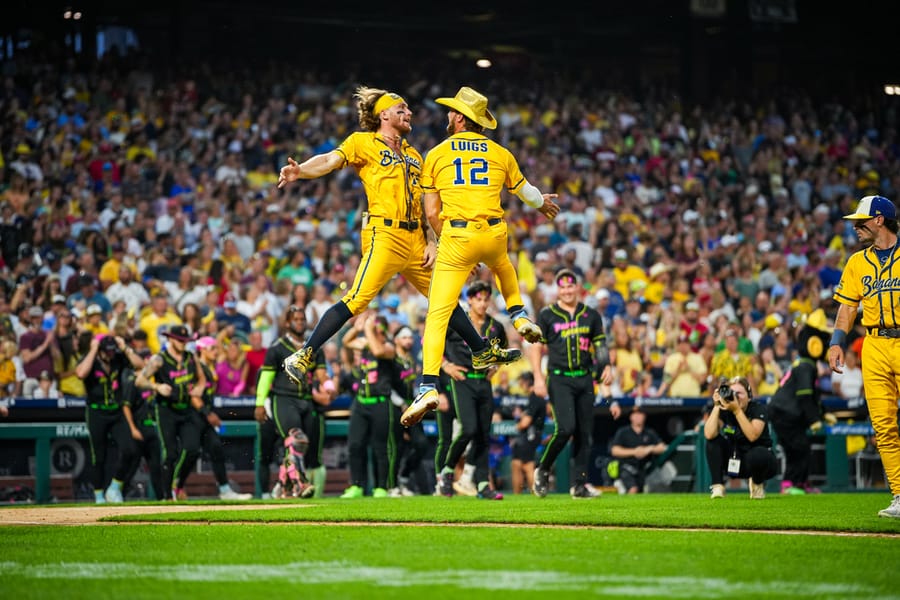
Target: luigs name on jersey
(468, 146)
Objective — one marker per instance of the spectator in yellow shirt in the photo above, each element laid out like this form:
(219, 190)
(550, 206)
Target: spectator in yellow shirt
(626, 360)
(625, 273)
(93, 320)
(660, 283)
(730, 362)
(684, 372)
(158, 320)
(109, 272)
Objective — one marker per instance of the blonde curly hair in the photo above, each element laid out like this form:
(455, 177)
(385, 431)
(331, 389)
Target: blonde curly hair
(366, 97)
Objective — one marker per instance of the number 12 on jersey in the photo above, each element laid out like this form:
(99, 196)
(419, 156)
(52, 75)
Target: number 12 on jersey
(478, 167)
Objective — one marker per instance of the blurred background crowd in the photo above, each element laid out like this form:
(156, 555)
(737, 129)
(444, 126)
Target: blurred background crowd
(138, 194)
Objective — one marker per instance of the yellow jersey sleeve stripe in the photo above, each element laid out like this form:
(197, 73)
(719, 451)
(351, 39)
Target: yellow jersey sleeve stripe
(843, 299)
(519, 184)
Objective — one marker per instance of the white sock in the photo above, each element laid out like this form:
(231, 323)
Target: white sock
(467, 474)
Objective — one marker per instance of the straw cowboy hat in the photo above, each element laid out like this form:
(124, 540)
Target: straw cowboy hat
(473, 105)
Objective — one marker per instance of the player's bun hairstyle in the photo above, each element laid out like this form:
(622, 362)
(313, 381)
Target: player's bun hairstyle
(366, 98)
(477, 287)
(564, 274)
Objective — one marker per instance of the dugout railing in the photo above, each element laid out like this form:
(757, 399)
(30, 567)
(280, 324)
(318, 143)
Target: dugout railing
(42, 434)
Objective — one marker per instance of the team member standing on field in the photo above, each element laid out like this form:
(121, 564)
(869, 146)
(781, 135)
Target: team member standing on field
(372, 415)
(473, 402)
(463, 177)
(577, 355)
(136, 408)
(179, 384)
(412, 443)
(872, 277)
(393, 238)
(101, 370)
(292, 405)
(208, 422)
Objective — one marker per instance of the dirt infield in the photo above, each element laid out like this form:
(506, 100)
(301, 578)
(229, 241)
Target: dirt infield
(90, 514)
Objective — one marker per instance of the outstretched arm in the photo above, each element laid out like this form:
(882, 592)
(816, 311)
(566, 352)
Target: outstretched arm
(533, 197)
(317, 166)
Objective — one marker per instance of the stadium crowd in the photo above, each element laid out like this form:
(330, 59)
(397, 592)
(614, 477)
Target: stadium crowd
(134, 200)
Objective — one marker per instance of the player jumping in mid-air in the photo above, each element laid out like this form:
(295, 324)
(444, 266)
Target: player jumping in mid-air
(393, 236)
(463, 177)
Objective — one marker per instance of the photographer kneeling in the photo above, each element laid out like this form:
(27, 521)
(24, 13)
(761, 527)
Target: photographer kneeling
(737, 439)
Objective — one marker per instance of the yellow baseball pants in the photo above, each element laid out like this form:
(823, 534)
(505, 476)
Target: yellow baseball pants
(881, 380)
(460, 251)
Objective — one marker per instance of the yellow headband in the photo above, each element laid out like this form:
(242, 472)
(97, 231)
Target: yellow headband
(386, 101)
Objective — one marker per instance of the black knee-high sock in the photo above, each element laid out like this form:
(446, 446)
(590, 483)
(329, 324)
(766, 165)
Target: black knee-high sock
(460, 323)
(330, 323)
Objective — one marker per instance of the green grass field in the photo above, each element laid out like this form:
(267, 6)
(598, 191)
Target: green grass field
(654, 546)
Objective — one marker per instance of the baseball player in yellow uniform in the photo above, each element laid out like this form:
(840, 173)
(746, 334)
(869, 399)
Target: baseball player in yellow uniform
(463, 177)
(872, 277)
(393, 237)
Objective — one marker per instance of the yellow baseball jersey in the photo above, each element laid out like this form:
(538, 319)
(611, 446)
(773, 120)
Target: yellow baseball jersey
(876, 287)
(470, 171)
(391, 181)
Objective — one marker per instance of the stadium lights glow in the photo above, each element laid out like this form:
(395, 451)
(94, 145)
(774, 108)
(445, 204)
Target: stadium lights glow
(76, 16)
(483, 63)
(67, 14)
(892, 89)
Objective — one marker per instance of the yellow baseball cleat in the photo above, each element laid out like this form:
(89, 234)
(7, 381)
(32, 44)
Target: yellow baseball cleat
(494, 355)
(425, 402)
(528, 330)
(298, 364)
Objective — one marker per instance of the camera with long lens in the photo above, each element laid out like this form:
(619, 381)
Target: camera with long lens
(726, 393)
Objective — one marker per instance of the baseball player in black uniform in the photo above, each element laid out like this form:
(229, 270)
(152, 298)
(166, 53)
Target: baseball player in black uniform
(138, 414)
(208, 422)
(293, 405)
(179, 383)
(101, 370)
(443, 419)
(412, 442)
(472, 398)
(577, 356)
(372, 415)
